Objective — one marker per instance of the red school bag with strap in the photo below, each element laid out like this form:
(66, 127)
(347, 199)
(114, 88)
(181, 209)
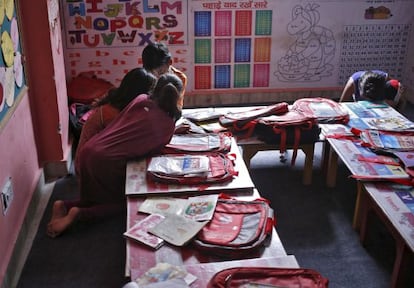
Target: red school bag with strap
(326, 111)
(268, 277)
(245, 121)
(192, 169)
(289, 126)
(238, 228)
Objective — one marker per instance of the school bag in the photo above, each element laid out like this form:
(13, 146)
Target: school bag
(238, 228)
(197, 142)
(192, 168)
(78, 114)
(288, 129)
(244, 122)
(326, 111)
(268, 277)
(86, 88)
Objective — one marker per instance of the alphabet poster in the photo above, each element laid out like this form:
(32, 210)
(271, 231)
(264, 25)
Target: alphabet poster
(248, 45)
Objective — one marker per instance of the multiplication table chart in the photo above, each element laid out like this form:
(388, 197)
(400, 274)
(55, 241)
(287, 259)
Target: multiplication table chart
(368, 47)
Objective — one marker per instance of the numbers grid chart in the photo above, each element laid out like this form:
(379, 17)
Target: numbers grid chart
(365, 46)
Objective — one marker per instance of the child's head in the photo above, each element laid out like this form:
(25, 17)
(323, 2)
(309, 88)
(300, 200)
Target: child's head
(372, 86)
(136, 82)
(156, 58)
(167, 94)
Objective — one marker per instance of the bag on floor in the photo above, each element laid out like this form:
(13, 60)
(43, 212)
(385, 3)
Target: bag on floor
(195, 142)
(192, 169)
(238, 228)
(244, 122)
(288, 129)
(78, 114)
(326, 111)
(268, 277)
(87, 88)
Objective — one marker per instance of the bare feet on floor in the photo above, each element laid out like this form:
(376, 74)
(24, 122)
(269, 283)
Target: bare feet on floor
(60, 222)
(58, 210)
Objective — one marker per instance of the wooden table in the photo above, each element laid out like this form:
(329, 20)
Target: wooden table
(141, 258)
(394, 205)
(252, 146)
(380, 198)
(359, 117)
(138, 184)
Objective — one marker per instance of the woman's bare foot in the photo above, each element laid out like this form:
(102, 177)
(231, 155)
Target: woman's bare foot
(58, 210)
(59, 225)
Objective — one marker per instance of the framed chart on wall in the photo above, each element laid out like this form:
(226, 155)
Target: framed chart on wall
(12, 77)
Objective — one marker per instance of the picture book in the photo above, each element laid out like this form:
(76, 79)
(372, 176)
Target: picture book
(180, 164)
(198, 208)
(388, 141)
(177, 230)
(351, 153)
(372, 105)
(139, 231)
(359, 111)
(397, 123)
(163, 205)
(336, 129)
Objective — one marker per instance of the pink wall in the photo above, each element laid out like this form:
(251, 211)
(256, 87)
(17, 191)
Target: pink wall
(37, 133)
(18, 161)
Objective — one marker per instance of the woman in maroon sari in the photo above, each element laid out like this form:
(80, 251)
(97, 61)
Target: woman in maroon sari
(144, 127)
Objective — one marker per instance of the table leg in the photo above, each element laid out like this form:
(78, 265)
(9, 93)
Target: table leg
(309, 151)
(248, 152)
(325, 156)
(357, 211)
(332, 169)
(402, 259)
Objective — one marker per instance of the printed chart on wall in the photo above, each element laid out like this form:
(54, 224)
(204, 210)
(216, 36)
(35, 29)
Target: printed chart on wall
(244, 44)
(12, 79)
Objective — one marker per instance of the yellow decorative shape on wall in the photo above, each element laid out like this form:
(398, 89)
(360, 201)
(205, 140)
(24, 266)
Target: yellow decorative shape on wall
(9, 7)
(7, 48)
(2, 11)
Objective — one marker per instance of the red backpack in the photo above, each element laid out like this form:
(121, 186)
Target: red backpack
(267, 277)
(238, 228)
(244, 122)
(191, 169)
(288, 129)
(326, 111)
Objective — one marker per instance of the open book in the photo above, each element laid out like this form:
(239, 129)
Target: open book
(139, 231)
(197, 208)
(355, 157)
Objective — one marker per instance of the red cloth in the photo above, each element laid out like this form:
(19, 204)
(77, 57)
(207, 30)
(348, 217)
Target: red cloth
(100, 118)
(140, 129)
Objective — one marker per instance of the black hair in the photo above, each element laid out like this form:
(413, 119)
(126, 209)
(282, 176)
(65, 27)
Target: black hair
(137, 81)
(166, 94)
(372, 86)
(155, 55)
